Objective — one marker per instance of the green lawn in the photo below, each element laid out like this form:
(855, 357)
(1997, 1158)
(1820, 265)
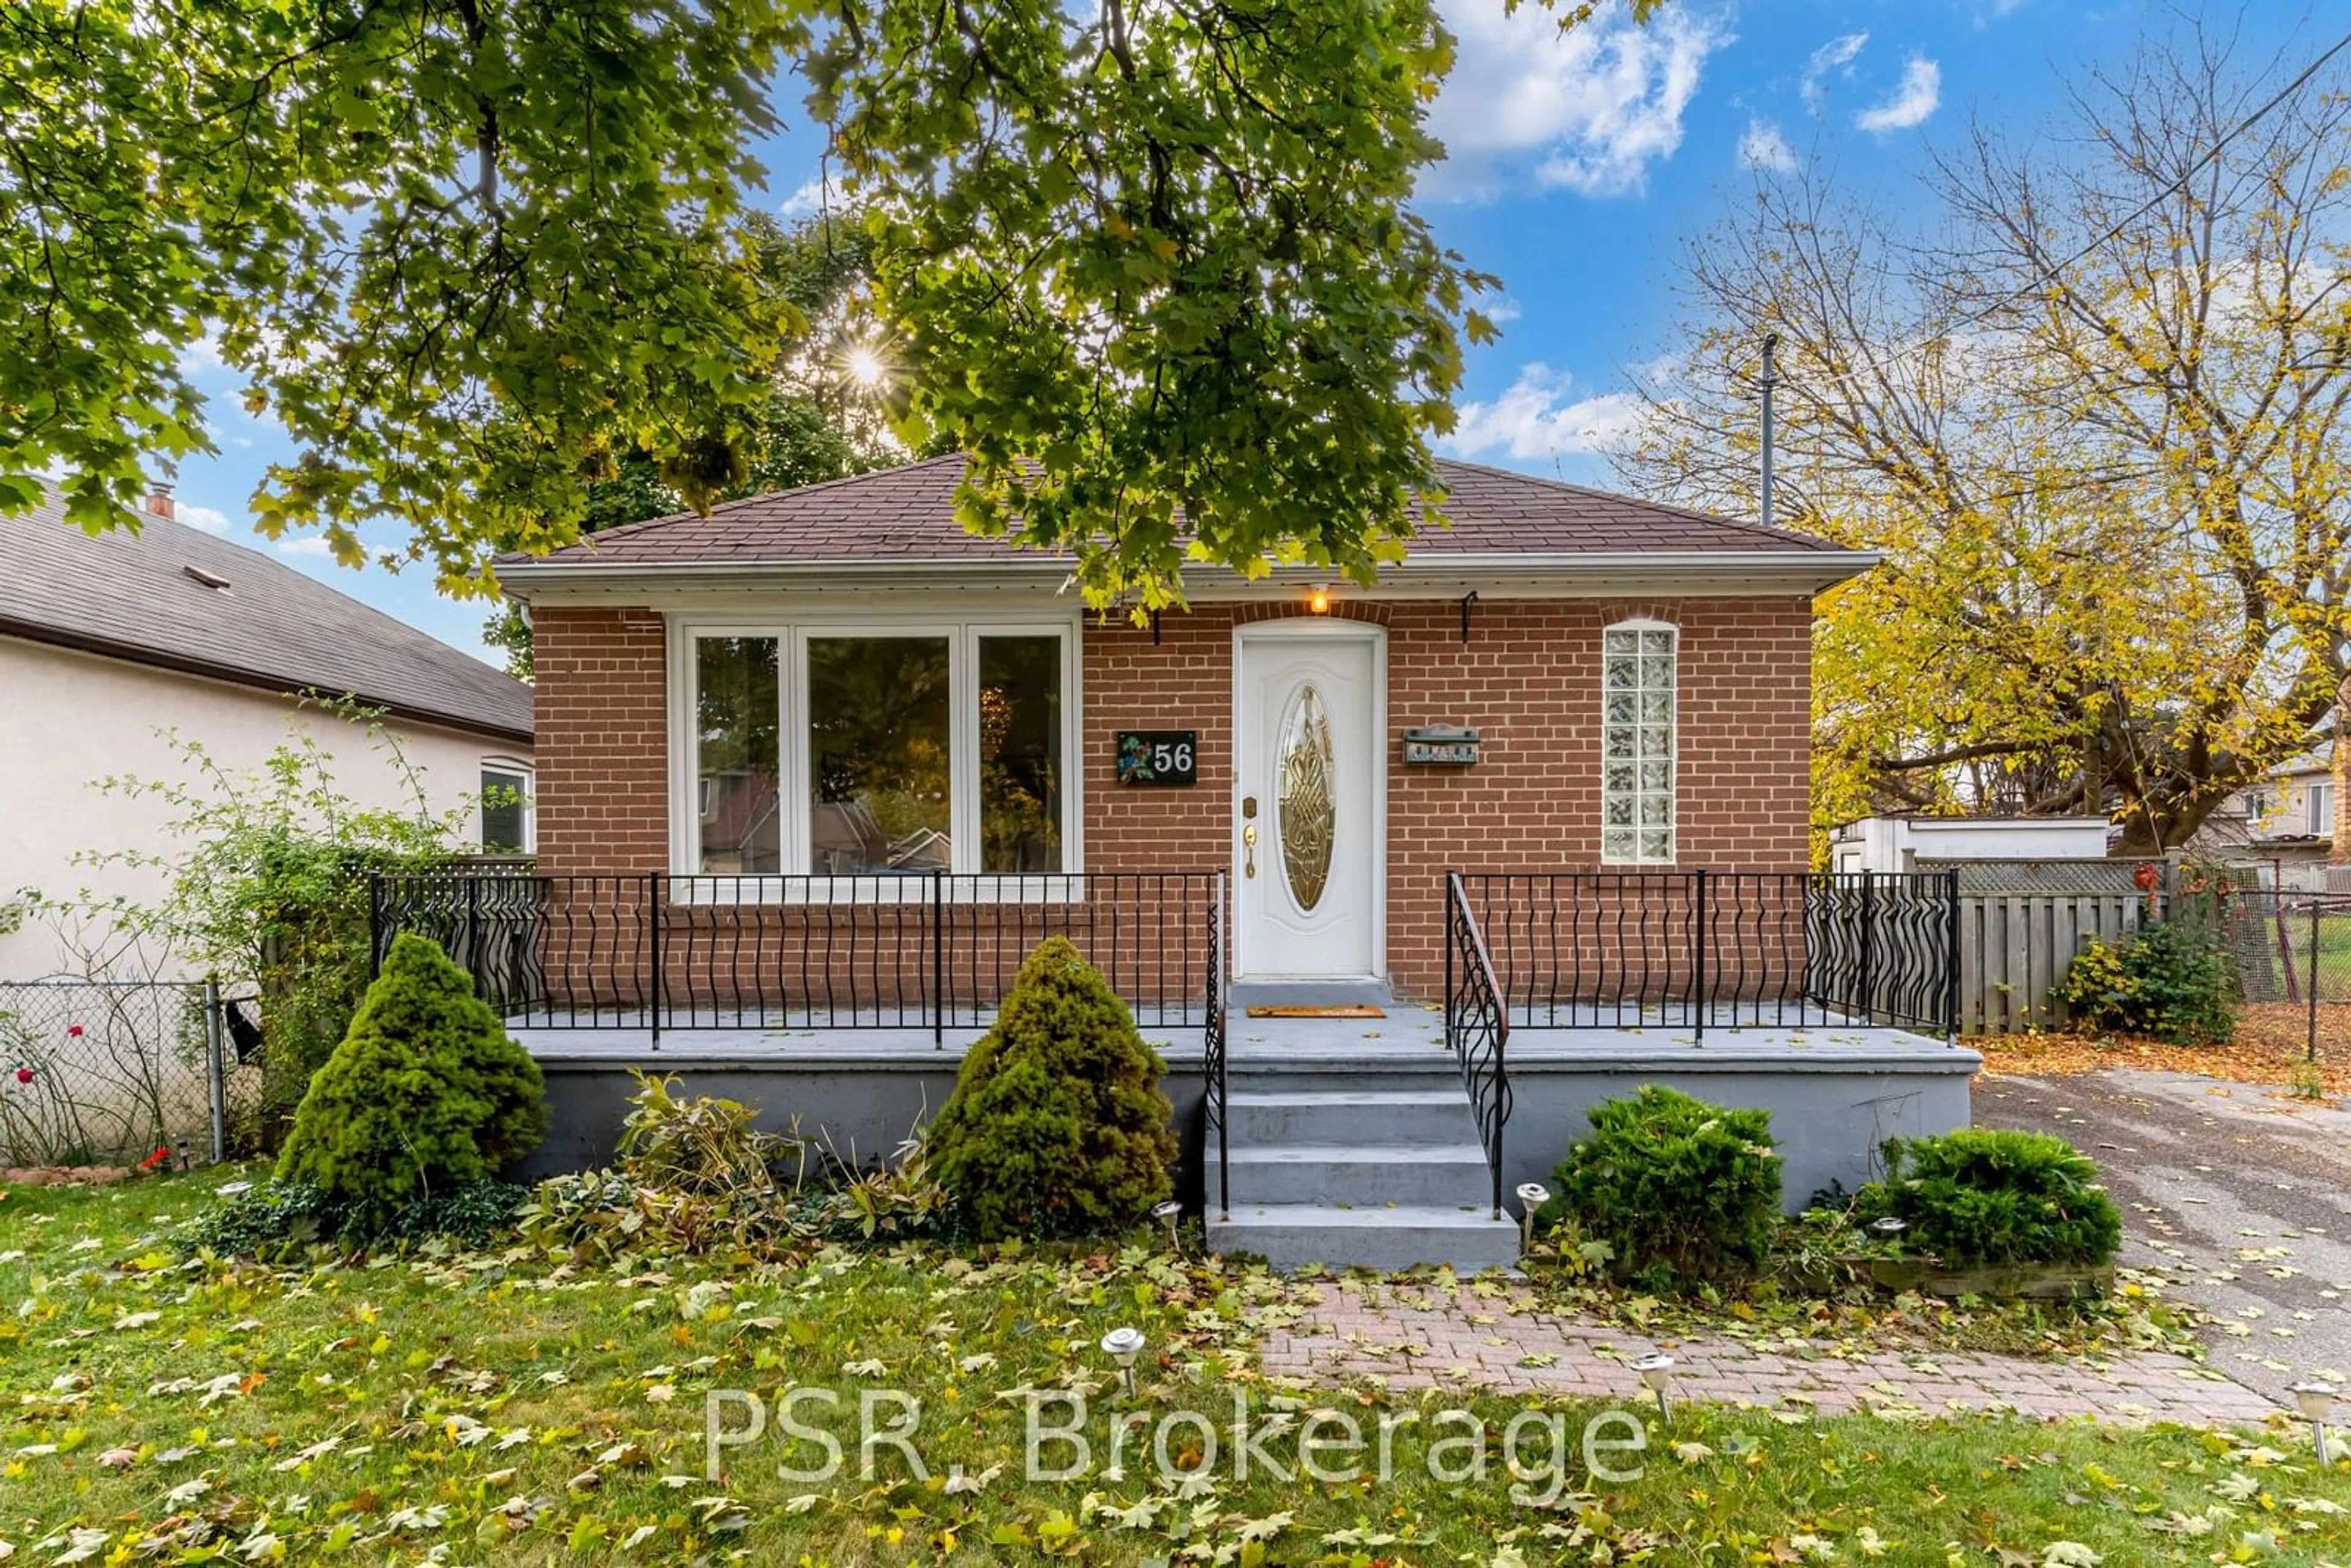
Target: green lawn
(512, 1407)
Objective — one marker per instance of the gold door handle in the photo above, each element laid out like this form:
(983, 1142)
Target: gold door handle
(1249, 850)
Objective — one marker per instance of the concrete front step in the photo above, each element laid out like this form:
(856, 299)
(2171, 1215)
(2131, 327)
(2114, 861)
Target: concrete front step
(1419, 1175)
(1389, 1237)
(1435, 1114)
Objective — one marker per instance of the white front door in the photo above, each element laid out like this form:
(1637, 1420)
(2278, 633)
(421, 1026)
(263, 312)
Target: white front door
(1308, 796)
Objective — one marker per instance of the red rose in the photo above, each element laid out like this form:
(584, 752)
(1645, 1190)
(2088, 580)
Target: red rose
(24, 1075)
(73, 1031)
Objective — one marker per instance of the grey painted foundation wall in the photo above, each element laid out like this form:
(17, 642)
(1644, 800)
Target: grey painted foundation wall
(1828, 1125)
(865, 1110)
(1829, 1118)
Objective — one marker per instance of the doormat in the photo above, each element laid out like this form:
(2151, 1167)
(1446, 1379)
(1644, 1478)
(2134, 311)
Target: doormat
(1343, 1010)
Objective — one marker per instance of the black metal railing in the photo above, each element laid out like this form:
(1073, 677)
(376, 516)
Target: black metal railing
(927, 950)
(1477, 1025)
(1704, 950)
(1212, 1052)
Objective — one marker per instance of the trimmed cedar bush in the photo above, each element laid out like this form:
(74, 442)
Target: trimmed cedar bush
(1057, 1126)
(1683, 1192)
(1978, 1198)
(426, 1093)
(2171, 980)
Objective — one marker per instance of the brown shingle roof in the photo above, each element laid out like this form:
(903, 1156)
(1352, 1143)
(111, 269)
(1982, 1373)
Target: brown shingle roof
(135, 596)
(908, 514)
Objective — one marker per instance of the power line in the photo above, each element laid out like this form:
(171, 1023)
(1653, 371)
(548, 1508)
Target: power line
(2210, 154)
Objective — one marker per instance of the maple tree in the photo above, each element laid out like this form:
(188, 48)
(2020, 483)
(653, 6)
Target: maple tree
(472, 254)
(2092, 410)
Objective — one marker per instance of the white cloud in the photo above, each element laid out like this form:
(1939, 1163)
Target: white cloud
(1501, 308)
(212, 520)
(1587, 111)
(314, 544)
(1765, 149)
(1838, 55)
(1536, 419)
(201, 356)
(1921, 92)
(813, 196)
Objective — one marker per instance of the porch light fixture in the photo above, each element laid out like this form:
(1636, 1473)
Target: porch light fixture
(1169, 1215)
(1317, 599)
(1122, 1345)
(1656, 1370)
(1532, 1195)
(2317, 1401)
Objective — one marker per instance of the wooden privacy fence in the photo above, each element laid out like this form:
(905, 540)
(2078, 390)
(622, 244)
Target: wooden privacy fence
(2014, 950)
(2021, 923)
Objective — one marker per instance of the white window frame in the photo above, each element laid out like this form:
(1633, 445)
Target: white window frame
(529, 776)
(2322, 808)
(794, 763)
(1672, 758)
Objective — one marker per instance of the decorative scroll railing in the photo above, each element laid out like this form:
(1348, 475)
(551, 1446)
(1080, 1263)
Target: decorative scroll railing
(1703, 949)
(1476, 1026)
(923, 951)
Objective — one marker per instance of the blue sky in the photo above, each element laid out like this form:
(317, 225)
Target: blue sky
(1577, 166)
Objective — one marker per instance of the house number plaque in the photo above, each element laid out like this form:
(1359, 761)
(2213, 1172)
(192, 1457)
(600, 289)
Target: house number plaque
(1157, 756)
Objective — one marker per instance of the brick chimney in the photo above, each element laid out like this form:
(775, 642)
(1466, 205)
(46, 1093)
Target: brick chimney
(159, 501)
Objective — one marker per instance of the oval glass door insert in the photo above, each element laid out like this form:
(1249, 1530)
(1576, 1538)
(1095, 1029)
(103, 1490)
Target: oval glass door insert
(1307, 797)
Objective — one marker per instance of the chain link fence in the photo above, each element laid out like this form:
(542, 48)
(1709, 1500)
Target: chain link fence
(107, 1073)
(2293, 955)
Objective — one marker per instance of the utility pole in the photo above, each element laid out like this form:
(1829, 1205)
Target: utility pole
(1770, 379)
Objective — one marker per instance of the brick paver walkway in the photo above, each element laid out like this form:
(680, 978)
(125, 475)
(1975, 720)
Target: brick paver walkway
(1435, 1336)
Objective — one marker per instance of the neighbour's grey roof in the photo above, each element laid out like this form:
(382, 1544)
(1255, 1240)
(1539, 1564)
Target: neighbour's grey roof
(137, 597)
(908, 514)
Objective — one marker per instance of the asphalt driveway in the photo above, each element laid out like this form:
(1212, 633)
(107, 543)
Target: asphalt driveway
(2239, 1194)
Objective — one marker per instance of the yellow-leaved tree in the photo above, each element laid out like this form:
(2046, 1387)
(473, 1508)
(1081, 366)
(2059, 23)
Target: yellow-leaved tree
(2092, 410)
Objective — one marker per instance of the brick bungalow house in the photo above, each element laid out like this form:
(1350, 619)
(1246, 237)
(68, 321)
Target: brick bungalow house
(821, 763)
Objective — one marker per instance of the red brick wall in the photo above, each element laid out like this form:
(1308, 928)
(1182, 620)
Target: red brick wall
(1528, 678)
(1529, 681)
(602, 743)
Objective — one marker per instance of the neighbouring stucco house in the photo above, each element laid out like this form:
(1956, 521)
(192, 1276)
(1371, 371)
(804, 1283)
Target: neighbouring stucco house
(109, 641)
(1400, 877)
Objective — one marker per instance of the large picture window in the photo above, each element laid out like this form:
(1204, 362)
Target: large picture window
(875, 750)
(878, 742)
(1636, 744)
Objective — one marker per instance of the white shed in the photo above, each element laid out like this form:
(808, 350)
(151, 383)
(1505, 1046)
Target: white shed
(1899, 843)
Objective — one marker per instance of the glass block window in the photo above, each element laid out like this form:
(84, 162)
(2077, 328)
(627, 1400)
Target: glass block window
(1636, 744)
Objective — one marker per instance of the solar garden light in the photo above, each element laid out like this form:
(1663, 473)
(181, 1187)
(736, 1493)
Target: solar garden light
(1532, 1195)
(1122, 1345)
(2317, 1400)
(1169, 1214)
(1889, 1229)
(1656, 1370)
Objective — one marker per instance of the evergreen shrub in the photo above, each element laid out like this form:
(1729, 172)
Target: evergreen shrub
(425, 1094)
(1057, 1124)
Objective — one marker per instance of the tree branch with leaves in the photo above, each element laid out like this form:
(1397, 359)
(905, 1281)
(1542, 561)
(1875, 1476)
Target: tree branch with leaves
(2093, 415)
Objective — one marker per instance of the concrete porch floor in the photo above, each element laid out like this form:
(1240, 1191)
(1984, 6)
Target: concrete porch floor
(1410, 1036)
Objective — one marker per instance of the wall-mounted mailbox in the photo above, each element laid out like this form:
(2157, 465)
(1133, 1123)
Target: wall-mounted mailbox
(1446, 744)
